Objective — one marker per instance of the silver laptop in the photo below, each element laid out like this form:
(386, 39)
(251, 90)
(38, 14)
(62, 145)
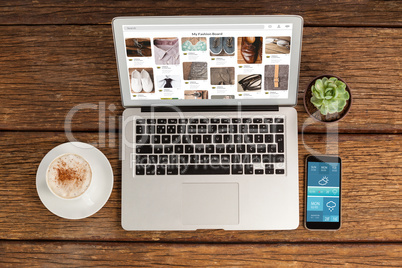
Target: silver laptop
(209, 130)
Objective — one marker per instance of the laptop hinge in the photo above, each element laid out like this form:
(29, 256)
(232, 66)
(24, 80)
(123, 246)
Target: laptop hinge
(235, 108)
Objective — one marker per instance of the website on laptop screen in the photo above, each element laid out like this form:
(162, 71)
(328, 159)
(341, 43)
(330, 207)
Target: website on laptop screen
(171, 62)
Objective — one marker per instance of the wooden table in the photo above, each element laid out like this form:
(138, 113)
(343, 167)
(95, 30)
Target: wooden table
(56, 55)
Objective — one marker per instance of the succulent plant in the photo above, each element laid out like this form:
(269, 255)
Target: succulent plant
(329, 95)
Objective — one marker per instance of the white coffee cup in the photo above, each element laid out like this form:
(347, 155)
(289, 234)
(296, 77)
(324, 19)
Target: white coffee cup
(69, 176)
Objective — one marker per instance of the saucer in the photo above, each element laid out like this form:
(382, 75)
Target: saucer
(93, 199)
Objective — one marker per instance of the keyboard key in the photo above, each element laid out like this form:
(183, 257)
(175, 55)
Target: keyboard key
(222, 129)
(210, 149)
(248, 169)
(236, 120)
(259, 171)
(144, 149)
(232, 128)
(160, 170)
(247, 120)
(165, 138)
(183, 121)
(238, 138)
(151, 121)
(192, 129)
(227, 138)
(269, 138)
(194, 158)
(140, 121)
(248, 139)
(204, 169)
(139, 129)
(272, 148)
(246, 158)
(204, 121)
(258, 138)
(171, 129)
(279, 158)
(139, 170)
(215, 120)
(193, 121)
(186, 138)
(199, 149)
(153, 159)
(257, 120)
(243, 129)
(236, 158)
(276, 128)
(251, 148)
(230, 148)
(212, 128)
(161, 129)
(280, 171)
(197, 138)
(178, 149)
(220, 149)
(150, 170)
(217, 138)
(253, 128)
(261, 148)
(161, 121)
(225, 158)
(268, 120)
(168, 149)
(156, 139)
(225, 121)
(263, 128)
(202, 129)
(163, 159)
(172, 121)
(151, 129)
(269, 169)
(204, 159)
(184, 158)
(176, 139)
(141, 159)
(256, 158)
(240, 148)
(279, 139)
(189, 149)
(181, 129)
(278, 120)
(142, 139)
(173, 159)
(237, 169)
(207, 139)
(172, 170)
(158, 149)
(215, 158)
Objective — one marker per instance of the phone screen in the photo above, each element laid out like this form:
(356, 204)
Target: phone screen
(323, 192)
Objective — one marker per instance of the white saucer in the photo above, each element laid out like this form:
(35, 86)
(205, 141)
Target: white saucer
(96, 195)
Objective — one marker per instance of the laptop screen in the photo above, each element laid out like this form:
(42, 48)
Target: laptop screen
(204, 61)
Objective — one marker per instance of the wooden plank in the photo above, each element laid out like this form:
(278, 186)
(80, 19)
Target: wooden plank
(55, 254)
(343, 12)
(372, 203)
(49, 70)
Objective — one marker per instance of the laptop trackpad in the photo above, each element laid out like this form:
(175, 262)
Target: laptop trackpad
(210, 203)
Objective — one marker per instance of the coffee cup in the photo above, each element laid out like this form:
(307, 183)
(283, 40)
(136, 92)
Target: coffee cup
(69, 176)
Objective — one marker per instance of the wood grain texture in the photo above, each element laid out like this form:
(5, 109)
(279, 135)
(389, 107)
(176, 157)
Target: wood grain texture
(372, 200)
(67, 254)
(49, 70)
(328, 13)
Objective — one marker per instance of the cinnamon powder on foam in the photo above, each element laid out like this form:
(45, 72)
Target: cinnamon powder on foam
(67, 175)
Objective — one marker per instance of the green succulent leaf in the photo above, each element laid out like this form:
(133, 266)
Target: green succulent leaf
(329, 95)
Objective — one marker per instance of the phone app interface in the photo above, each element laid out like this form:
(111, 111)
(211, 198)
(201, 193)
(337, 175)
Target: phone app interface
(242, 61)
(323, 192)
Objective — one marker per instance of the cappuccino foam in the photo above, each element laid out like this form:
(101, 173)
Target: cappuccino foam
(69, 176)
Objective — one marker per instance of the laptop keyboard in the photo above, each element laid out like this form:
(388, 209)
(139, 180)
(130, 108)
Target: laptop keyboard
(200, 146)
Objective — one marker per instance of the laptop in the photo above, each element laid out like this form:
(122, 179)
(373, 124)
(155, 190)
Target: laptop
(209, 130)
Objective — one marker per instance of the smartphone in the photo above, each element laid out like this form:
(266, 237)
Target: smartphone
(323, 192)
